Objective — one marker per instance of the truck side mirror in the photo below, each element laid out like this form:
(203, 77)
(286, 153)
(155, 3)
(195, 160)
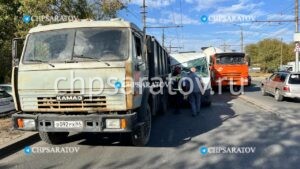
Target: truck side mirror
(141, 66)
(15, 62)
(15, 48)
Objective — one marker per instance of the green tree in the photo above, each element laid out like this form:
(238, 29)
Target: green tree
(267, 54)
(9, 11)
(12, 25)
(111, 7)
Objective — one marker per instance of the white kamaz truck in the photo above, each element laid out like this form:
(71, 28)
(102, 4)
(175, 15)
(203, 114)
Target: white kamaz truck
(89, 76)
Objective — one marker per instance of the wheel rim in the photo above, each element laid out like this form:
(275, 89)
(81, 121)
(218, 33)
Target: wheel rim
(277, 95)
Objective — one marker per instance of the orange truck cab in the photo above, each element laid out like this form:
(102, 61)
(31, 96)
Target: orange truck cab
(229, 69)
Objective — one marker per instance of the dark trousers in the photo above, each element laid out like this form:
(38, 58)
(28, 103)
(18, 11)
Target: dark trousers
(195, 102)
(177, 102)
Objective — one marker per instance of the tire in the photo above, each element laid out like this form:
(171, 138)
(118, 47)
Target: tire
(263, 91)
(278, 96)
(164, 104)
(207, 101)
(53, 137)
(236, 88)
(141, 135)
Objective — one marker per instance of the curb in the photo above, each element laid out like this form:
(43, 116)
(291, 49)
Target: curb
(269, 109)
(259, 105)
(18, 144)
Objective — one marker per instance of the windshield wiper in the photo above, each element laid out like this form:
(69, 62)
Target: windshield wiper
(84, 57)
(92, 58)
(40, 61)
(100, 60)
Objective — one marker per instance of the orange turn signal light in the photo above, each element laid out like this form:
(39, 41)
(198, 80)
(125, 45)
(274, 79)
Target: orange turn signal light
(123, 123)
(20, 123)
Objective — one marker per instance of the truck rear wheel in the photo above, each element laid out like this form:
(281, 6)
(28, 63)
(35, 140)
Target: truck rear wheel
(141, 135)
(164, 104)
(53, 137)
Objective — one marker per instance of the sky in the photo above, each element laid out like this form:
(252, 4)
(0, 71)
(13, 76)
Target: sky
(214, 22)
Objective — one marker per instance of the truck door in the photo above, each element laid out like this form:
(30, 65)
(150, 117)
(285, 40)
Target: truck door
(140, 68)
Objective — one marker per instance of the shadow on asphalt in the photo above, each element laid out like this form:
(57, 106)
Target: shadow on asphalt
(169, 130)
(275, 140)
(252, 88)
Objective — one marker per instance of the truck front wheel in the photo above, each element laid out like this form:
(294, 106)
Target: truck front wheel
(53, 137)
(141, 135)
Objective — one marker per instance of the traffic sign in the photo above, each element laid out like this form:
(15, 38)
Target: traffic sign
(297, 47)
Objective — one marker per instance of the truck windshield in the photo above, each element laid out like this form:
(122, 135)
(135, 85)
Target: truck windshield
(200, 65)
(231, 59)
(81, 44)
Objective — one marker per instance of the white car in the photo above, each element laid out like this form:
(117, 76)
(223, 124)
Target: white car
(6, 102)
(7, 88)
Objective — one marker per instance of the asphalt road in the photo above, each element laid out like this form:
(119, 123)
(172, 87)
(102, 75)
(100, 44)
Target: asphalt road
(176, 139)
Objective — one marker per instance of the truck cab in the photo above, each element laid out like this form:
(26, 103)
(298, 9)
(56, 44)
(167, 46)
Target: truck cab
(229, 69)
(83, 76)
(199, 60)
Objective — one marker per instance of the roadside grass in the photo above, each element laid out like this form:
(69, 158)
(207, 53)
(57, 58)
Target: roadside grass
(259, 74)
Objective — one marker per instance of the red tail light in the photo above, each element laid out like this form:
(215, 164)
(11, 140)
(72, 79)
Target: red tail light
(286, 88)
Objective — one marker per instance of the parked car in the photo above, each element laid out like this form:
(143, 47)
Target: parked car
(281, 85)
(7, 88)
(6, 102)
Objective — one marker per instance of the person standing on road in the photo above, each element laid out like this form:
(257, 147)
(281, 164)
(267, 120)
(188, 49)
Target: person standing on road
(177, 98)
(195, 97)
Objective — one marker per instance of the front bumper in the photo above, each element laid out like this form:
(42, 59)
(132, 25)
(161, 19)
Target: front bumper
(91, 123)
(291, 95)
(231, 82)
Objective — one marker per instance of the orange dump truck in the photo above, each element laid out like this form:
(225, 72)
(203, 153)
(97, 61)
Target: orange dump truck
(229, 69)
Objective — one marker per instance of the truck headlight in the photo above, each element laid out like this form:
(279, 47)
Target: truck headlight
(116, 123)
(28, 124)
(113, 123)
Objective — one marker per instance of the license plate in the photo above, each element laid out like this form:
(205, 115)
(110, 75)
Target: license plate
(68, 124)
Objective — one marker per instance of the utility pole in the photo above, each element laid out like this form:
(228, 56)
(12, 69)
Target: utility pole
(163, 38)
(242, 40)
(224, 46)
(297, 15)
(144, 12)
(144, 28)
(241, 37)
(227, 46)
(297, 30)
(281, 53)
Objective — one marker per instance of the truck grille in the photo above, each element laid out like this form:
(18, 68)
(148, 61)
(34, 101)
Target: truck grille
(232, 74)
(87, 102)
